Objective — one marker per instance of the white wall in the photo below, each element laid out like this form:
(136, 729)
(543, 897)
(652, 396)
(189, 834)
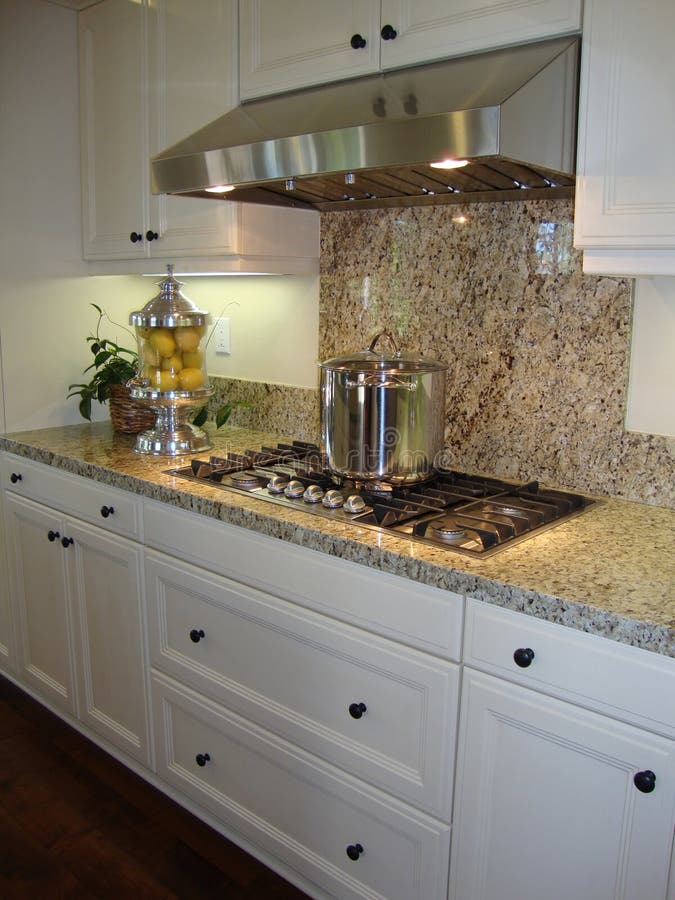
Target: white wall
(45, 290)
(651, 387)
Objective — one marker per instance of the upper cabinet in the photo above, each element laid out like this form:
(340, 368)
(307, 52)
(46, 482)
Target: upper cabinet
(625, 199)
(151, 74)
(289, 44)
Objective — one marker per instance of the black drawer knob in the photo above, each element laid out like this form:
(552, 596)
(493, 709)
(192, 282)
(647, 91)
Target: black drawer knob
(523, 657)
(135, 237)
(107, 511)
(358, 42)
(15, 476)
(53, 535)
(645, 781)
(196, 635)
(356, 710)
(388, 33)
(151, 235)
(354, 851)
(66, 542)
(202, 758)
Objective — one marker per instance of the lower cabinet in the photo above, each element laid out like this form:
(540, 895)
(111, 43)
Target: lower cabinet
(77, 593)
(343, 836)
(556, 801)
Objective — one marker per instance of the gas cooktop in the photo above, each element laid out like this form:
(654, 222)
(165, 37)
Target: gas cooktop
(469, 514)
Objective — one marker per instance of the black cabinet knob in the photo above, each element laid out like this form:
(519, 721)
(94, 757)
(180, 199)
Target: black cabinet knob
(151, 235)
(645, 781)
(53, 535)
(388, 33)
(196, 635)
(107, 511)
(66, 542)
(354, 851)
(358, 42)
(356, 710)
(135, 237)
(15, 476)
(523, 657)
(202, 758)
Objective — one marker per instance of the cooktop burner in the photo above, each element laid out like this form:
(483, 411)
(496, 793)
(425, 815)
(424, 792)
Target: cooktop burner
(463, 513)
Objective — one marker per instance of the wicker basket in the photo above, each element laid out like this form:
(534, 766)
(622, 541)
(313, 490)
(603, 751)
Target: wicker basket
(127, 415)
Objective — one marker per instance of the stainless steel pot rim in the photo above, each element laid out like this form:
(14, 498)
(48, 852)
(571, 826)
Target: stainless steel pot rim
(369, 361)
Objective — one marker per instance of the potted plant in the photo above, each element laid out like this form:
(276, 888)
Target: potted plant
(113, 366)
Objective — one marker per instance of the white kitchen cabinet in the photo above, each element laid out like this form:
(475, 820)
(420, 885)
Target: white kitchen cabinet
(286, 44)
(381, 711)
(625, 195)
(284, 708)
(38, 585)
(150, 75)
(546, 801)
(7, 645)
(78, 602)
(343, 838)
(105, 574)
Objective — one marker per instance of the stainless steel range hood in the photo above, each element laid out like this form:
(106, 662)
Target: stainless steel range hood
(369, 141)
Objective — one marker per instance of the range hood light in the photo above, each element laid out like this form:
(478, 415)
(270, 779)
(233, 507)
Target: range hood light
(449, 164)
(219, 188)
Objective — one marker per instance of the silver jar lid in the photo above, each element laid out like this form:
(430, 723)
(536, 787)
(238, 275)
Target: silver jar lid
(170, 308)
(394, 362)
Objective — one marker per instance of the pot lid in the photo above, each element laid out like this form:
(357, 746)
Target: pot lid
(372, 360)
(170, 307)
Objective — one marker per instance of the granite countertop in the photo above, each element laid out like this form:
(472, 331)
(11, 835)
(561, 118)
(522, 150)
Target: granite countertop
(610, 571)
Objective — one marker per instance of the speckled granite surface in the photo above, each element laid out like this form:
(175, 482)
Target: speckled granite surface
(610, 571)
(538, 352)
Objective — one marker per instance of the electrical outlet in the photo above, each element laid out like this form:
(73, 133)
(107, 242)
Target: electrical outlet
(222, 336)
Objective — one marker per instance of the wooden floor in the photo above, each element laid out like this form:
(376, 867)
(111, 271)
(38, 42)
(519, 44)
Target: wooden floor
(74, 823)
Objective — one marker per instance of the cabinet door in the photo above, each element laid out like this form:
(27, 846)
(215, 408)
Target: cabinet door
(546, 805)
(625, 198)
(434, 29)
(193, 79)
(7, 660)
(37, 577)
(288, 44)
(109, 631)
(114, 140)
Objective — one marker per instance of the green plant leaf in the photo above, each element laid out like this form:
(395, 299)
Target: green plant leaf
(85, 407)
(200, 417)
(223, 414)
(102, 357)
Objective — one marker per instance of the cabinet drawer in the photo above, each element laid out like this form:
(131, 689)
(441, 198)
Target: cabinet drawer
(296, 807)
(414, 614)
(105, 506)
(381, 711)
(619, 680)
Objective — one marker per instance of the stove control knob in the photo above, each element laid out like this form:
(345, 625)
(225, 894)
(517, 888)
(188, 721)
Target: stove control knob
(354, 504)
(313, 494)
(294, 489)
(277, 484)
(332, 499)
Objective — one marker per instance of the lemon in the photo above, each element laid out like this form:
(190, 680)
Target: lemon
(193, 359)
(172, 363)
(144, 331)
(187, 338)
(163, 342)
(190, 379)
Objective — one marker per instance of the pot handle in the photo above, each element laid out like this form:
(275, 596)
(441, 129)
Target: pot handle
(389, 336)
(374, 381)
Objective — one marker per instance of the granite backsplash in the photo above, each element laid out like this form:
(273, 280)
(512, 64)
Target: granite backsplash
(538, 352)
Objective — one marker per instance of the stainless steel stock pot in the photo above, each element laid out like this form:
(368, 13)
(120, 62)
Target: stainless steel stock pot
(382, 414)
